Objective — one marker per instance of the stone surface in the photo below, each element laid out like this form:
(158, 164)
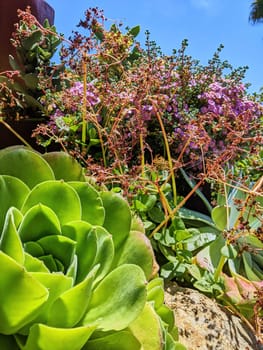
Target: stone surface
(205, 325)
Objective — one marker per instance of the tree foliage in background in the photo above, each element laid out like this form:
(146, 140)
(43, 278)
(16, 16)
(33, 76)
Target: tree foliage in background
(256, 13)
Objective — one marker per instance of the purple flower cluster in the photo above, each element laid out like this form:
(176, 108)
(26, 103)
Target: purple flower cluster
(77, 92)
(67, 110)
(210, 121)
(223, 97)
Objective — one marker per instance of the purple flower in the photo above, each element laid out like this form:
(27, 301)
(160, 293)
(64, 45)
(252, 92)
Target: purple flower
(77, 90)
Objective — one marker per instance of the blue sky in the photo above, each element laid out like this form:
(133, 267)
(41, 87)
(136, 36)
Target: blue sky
(205, 23)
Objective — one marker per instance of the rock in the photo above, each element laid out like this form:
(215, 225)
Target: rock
(204, 325)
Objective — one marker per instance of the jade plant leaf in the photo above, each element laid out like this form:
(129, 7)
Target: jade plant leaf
(24, 299)
(118, 299)
(113, 341)
(58, 196)
(14, 191)
(43, 220)
(42, 337)
(64, 166)
(91, 203)
(30, 167)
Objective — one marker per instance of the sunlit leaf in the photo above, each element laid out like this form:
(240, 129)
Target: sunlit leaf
(42, 337)
(29, 167)
(147, 324)
(117, 217)
(94, 246)
(14, 192)
(113, 341)
(118, 299)
(21, 295)
(64, 166)
(58, 196)
(10, 242)
(137, 250)
(70, 306)
(59, 247)
(39, 221)
(91, 203)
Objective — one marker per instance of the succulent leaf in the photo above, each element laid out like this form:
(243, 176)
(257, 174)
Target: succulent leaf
(14, 191)
(58, 196)
(64, 166)
(44, 221)
(42, 337)
(24, 299)
(30, 167)
(118, 299)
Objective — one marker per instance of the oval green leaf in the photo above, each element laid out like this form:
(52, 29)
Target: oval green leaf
(118, 300)
(117, 217)
(148, 323)
(58, 196)
(91, 203)
(220, 216)
(137, 250)
(38, 222)
(64, 166)
(25, 164)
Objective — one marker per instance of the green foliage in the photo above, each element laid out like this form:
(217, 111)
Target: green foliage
(74, 275)
(35, 47)
(215, 254)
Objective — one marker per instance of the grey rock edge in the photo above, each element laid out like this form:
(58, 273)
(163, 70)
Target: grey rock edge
(204, 325)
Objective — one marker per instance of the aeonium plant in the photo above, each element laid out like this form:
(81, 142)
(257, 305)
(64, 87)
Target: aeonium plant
(22, 85)
(77, 271)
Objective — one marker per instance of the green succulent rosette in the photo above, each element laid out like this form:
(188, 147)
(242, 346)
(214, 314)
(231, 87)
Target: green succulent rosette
(73, 273)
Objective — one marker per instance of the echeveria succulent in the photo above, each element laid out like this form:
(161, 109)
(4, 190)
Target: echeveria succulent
(74, 274)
